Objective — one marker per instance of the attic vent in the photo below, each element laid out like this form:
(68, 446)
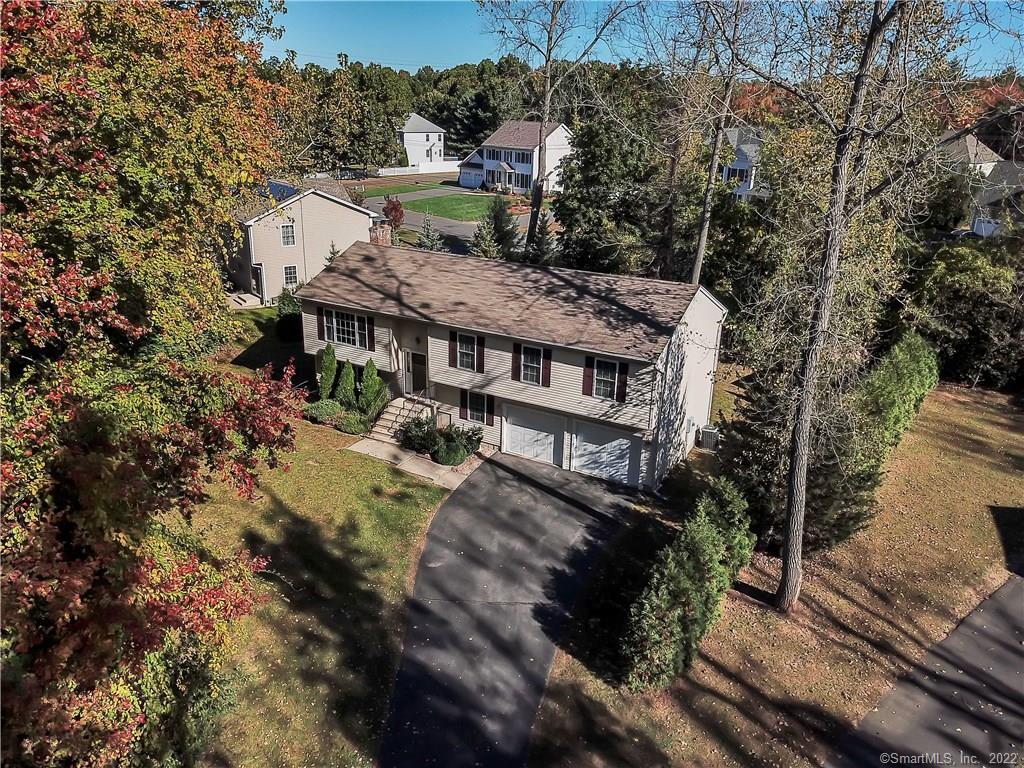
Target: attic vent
(709, 436)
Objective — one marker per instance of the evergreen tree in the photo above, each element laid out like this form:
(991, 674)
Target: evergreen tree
(484, 245)
(371, 398)
(430, 239)
(543, 249)
(346, 389)
(506, 231)
(328, 372)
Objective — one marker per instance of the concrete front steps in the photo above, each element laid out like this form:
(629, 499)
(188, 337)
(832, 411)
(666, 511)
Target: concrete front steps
(399, 411)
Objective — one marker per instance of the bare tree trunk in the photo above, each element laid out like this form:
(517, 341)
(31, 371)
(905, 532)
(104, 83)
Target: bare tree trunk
(709, 188)
(666, 251)
(537, 200)
(716, 149)
(835, 234)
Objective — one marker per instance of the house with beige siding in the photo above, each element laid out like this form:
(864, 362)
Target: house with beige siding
(606, 375)
(288, 240)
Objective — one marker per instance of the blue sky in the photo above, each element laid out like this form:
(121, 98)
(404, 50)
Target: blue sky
(403, 35)
(442, 33)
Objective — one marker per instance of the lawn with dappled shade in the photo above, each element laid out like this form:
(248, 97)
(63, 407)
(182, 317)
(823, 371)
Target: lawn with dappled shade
(461, 207)
(774, 690)
(315, 665)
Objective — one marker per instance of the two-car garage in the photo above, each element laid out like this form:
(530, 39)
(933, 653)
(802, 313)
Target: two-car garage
(595, 449)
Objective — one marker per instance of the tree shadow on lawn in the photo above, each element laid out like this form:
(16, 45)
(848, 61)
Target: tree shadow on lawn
(271, 349)
(586, 727)
(1009, 523)
(333, 607)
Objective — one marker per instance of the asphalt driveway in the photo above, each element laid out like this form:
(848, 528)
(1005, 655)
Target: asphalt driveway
(963, 705)
(505, 558)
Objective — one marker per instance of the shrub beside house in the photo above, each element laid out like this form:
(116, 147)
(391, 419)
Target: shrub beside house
(342, 404)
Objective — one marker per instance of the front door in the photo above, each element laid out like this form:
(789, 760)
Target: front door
(415, 372)
(257, 281)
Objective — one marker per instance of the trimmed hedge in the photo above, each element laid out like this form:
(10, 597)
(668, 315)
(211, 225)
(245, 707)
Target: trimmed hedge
(687, 586)
(726, 508)
(328, 372)
(892, 393)
(322, 411)
(345, 389)
(450, 445)
(846, 466)
(450, 453)
(352, 422)
(678, 606)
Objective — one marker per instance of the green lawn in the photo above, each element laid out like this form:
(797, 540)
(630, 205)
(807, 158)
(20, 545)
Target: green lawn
(315, 665)
(398, 189)
(461, 207)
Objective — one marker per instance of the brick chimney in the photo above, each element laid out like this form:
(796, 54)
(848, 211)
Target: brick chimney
(380, 233)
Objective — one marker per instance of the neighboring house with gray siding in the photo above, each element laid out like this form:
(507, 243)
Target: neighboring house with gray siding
(287, 240)
(602, 374)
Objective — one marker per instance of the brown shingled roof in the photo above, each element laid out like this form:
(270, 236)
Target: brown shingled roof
(519, 134)
(630, 317)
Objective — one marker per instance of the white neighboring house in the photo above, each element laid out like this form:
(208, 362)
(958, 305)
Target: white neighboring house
(742, 170)
(508, 159)
(288, 243)
(969, 152)
(423, 141)
(999, 198)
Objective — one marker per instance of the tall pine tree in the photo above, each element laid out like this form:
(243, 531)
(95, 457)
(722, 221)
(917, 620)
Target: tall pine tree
(430, 239)
(506, 231)
(544, 248)
(484, 246)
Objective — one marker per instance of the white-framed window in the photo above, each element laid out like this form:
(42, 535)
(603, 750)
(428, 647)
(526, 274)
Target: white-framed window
(523, 157)
(466, 352)
(345, 328)
(291, 276)
(476, 407)
(287, 235)
(606, 373)
(531, 365)
(522, 181)
(739, 174)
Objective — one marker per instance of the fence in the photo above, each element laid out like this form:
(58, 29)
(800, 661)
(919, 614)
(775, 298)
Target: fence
(443, 166)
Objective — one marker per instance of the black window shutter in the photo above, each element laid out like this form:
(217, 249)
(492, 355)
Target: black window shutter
(517, 360)
(545, 369)
(620, 388)
(463, 404)
(479, 354)
(320, 323)
(588, 376)
(453, 350)
(370, 343)
(490, 410)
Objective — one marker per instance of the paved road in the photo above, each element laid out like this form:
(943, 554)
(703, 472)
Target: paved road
(504, 560)
(459, 233)
(964, 703)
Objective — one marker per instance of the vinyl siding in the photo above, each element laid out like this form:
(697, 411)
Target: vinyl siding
(558, 146)
(382, 336)
(318, 222)
(449, 398)
(565, 395)
(686, 382)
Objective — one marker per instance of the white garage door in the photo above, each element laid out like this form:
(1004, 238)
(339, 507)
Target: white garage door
(605, 452)
(534, 434)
